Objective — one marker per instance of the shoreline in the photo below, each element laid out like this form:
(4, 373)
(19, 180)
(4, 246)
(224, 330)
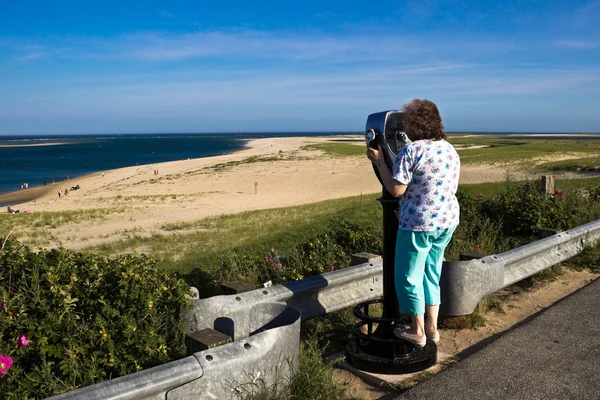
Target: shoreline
(32, 144)
(251, 148)
(19, 196)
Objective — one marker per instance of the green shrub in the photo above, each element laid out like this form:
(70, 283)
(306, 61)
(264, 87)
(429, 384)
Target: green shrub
(523, 210)
(318, 254)
(87, 318)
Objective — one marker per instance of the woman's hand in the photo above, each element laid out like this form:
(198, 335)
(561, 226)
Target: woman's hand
(376, 156)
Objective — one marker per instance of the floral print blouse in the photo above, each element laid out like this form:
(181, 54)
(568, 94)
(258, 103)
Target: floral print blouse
(430, 169)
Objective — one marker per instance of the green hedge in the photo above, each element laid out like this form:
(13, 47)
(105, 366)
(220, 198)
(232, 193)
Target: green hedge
(86, 319)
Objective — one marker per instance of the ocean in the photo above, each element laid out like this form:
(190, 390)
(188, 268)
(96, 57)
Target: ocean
(35, 159)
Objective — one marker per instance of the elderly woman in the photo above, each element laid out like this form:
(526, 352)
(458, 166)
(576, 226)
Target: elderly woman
(425, 177)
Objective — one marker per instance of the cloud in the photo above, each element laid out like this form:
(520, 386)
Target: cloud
(166, 14)
(577, 44)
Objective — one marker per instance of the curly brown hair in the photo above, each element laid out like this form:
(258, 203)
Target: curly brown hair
(422, 120)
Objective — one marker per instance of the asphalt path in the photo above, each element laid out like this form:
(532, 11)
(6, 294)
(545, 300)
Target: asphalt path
(555, 354)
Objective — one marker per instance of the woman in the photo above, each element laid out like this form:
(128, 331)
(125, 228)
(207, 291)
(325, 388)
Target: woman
(425, 177)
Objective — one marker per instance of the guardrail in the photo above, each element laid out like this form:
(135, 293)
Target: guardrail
(465, 283)
(265, 323)
(269, 352)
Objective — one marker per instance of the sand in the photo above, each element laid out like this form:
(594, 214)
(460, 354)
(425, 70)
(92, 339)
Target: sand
(193, 189)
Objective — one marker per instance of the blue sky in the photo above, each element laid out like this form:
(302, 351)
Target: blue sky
(235, 66)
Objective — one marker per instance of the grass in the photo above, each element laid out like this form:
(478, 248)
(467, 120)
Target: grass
(493, 188)
(204, 243)
(517, 151)
(313, 380)
(588, 164)
(38, 225)
(338, 149)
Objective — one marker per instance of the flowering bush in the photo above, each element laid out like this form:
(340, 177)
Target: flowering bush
(523, 210)
(69, 320)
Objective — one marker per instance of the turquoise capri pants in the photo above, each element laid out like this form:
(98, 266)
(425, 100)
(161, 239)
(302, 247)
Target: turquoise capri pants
(418, 266)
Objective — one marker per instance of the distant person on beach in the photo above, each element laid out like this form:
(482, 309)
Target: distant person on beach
(59, 193)
(425, 178)
(44, 183)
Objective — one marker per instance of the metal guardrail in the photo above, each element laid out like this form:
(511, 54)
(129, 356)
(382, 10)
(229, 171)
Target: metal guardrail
(216, 373)
(269, 352)
(465, 283)
(313, 296)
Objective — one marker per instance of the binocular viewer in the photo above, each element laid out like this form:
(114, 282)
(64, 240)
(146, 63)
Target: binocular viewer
(386, 129)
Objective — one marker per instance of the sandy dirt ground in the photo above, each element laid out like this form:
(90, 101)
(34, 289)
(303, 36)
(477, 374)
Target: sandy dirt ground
(193, 189)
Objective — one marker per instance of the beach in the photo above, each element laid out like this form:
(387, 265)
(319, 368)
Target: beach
(269, 173)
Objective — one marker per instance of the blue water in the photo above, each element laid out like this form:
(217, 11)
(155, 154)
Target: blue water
(82, 155)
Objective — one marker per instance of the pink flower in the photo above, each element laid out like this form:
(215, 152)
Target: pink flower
(272, 249)
(333, 267)
(479, 197)
(278, 265)
(499, 195)
(375, 238)
(479, 246)
(22, 342)
(268, 259)
(559, 193)
(5, 364)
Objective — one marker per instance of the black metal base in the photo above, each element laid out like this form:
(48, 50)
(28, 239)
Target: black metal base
(376, 349)
(418, 360)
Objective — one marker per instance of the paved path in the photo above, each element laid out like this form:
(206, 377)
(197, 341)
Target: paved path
(553, 355)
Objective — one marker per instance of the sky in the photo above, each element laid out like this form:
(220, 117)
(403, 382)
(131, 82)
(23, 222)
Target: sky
(272, 66)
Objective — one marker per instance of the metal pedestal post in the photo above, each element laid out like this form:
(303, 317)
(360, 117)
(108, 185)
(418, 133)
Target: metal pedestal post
(375, 348)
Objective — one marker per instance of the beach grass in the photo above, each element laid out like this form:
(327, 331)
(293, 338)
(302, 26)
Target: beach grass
(338, 149)
(579, 165)
(504, 150)
(185, 246)
(35, 228)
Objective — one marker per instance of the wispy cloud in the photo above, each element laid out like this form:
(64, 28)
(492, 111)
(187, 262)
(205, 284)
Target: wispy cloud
(577, 44)
(166, 14)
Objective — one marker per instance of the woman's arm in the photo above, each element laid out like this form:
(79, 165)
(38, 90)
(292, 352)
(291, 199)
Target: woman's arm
(394, 187)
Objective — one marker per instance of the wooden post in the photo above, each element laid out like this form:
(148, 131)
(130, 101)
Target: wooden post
(235, 287)
(255, 187)
(363, 258)
(547, 232)
(205, 339)
(470, 255)
(547, 184)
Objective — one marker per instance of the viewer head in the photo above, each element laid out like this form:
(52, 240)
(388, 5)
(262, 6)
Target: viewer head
(422, 120)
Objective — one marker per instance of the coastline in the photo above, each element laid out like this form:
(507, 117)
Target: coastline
(33, 144)
(13, 198)
(16, 197)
